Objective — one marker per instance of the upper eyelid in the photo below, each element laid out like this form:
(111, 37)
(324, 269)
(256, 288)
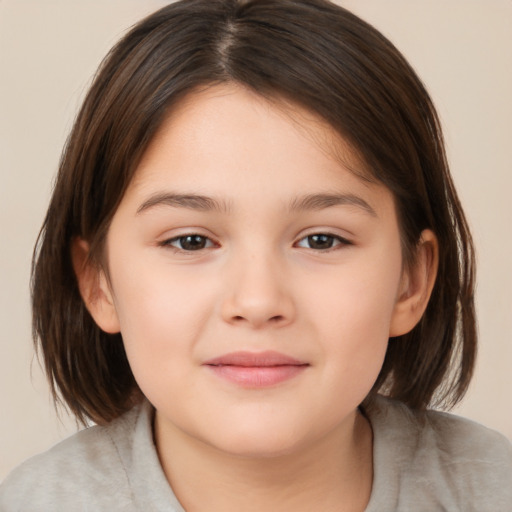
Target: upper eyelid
(187, 231)
(326, 231)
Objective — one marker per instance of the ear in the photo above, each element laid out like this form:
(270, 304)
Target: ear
(94, 287)
(416, 285)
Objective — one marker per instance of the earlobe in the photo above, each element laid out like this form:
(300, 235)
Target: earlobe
(94, 288)
(416, 286)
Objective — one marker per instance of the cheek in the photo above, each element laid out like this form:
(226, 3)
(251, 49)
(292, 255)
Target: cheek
(356, 313)
(359, 298)
(161, 315)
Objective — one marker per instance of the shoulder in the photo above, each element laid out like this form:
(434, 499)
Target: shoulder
(451, 461)
(87, 466)
(454, 437)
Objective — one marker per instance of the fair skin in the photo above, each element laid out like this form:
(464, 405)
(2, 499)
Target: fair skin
(256, 282)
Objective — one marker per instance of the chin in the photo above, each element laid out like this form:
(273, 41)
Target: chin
(257, 441)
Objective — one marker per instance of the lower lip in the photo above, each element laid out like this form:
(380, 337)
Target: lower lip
(257, 376)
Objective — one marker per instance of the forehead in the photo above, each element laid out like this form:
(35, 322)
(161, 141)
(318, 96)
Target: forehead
(222, 137)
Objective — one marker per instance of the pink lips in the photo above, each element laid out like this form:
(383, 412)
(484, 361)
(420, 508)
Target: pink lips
(256, 369)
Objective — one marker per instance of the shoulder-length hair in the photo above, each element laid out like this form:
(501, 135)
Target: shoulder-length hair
(315, 54)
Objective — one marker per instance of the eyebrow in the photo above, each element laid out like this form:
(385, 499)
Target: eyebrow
(321, 201)
(190, 201)
(205, 203)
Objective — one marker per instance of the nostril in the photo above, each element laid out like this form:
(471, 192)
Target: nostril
(273, 319)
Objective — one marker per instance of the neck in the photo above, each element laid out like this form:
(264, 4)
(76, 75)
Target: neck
(333, 473)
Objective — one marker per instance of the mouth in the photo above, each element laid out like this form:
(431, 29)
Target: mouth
(256, 369)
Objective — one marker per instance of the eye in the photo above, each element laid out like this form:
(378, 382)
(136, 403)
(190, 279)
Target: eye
(192, 242)
(322, 241)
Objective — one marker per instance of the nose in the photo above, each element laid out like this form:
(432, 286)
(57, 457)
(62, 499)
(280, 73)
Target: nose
(258, 294)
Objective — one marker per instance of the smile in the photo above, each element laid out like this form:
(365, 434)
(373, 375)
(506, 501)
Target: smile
(256, 370)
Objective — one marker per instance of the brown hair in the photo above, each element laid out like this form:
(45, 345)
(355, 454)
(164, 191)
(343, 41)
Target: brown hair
(313, 53)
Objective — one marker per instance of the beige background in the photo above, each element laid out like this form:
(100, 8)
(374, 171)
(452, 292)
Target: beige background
(49, 49)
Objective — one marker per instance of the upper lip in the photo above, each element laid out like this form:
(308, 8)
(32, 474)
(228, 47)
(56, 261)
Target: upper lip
(255, 359)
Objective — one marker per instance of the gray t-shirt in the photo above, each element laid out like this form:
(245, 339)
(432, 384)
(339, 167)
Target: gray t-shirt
(423, 462)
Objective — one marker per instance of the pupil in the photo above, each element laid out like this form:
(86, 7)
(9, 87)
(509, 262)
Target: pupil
(192, 242)
(320, 241)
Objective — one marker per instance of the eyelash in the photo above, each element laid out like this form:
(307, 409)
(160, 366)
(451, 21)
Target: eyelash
(336, 241)
(208, 243)
(204, 242)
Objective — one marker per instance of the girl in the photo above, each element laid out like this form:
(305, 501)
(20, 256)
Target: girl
(255, 275)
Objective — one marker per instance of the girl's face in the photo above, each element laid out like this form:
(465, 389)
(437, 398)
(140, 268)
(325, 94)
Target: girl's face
(254, 279)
